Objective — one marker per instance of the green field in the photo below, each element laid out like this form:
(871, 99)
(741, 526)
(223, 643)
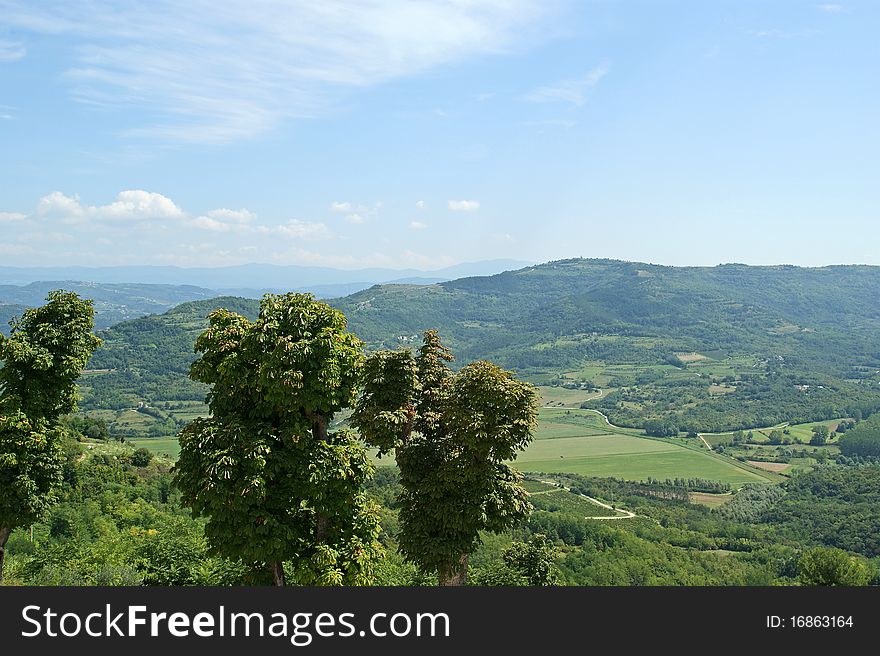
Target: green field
(563, 397)
(581, 442)
(677, 463)
(165, 446)
(556, 423)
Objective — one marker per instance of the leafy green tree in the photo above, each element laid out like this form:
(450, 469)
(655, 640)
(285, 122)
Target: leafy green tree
(42, 358)
(535, 560)
(275, 484)
(829, 566)
(141, 457)
(820, 435)
(451, 434)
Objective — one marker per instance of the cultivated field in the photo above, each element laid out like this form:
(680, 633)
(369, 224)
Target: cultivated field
(161, 445)
(580, 442)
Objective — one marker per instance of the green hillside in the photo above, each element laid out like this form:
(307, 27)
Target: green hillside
(708, 349)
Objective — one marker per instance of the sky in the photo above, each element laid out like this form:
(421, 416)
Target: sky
(421, 134)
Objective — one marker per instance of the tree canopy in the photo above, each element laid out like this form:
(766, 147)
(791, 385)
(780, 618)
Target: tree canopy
(42, 358)
(451, 434)
(275, 484)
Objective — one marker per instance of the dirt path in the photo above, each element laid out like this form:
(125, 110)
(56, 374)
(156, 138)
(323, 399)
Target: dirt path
(626, 513)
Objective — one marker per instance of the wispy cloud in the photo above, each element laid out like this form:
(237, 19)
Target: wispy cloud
(11, 51)
(569, 91)
(832, 8)
(356, 214)
(464, 205)
(418, 225)
(9, 217)
(215, 72)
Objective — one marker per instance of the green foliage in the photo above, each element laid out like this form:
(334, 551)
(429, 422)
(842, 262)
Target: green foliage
(451, 434)
(42, 359)
(273, 483)
(820, 435)
(829, 566)
(141, 457)
(30, 468)
(661, 428)
(831, 506)
(863, 440)
(534, 560)
(44, 355)
(751, 502)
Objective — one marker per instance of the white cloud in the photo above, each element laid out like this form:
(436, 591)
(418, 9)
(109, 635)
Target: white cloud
(464, 205)
(225, 220)
(56, 204)
(213, 72)
(569, 91)
(832, 8)
(9, 217)
(11, 51)
(356, 215)
(131, 205)
(139, 204)
(295, 229)
(418, 225)
(420, 204)
(232, 216)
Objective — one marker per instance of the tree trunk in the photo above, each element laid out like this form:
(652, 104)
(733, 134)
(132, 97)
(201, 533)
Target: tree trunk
(277, 573)
(454, 573)
(319, 433)
(4, 537)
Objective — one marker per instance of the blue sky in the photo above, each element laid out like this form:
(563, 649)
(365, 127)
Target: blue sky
(427, 133)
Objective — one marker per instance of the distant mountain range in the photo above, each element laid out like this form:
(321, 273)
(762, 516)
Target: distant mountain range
(128, 292)
(250, 276)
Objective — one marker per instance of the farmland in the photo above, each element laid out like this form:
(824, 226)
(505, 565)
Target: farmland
(581, 442)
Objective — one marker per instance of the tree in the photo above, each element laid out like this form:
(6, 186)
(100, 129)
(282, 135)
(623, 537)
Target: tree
(141, 457)
(274, 482)
(451, 434)
(820, 435)
(830, 566)
(535, 560)
(42, 358)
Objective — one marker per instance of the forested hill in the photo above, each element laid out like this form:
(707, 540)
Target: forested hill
(558, 315)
